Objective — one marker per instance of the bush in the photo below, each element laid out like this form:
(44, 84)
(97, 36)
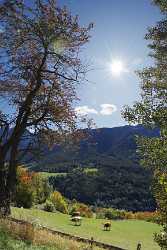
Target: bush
(83, 209)
(24, 197)
(59, 202)
(115, 214)
(48, 206)
(147, 216)
(100, 213)
(110, 213)
(129, 215)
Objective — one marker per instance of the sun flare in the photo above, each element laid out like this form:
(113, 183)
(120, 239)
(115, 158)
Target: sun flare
(117, 68)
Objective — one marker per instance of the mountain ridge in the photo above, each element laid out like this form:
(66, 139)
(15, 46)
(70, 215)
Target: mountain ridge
(116, 142)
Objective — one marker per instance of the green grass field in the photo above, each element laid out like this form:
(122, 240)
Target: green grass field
(47, 174)
(86, 170)
(125, 233)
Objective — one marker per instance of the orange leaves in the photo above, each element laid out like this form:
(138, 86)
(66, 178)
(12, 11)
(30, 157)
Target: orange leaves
(24, 176)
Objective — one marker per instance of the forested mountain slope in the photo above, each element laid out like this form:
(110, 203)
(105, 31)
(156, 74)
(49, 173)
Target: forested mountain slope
(119, 180)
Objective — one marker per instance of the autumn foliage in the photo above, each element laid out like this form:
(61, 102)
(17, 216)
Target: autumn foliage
(40, 69)
(59, 202)
(31, 188)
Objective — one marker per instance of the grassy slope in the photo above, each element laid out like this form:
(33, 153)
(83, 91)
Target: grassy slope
(126, 233)
(9, 243)
(47, 174)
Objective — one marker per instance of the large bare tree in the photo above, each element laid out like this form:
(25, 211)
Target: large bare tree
(40, 68)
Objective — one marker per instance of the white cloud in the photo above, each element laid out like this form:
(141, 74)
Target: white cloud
(107, 109)
(85, 110)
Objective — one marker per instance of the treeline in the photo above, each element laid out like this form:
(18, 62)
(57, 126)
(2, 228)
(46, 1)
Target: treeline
(107, 186)
(118, 186)
(33, 190)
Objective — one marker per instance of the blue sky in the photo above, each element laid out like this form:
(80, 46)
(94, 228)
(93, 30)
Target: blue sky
(117, 37)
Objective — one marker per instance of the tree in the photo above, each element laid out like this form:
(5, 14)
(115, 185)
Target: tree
(59, 202)
(24, 196)
(41, 188)
(31, 188)
(40, 68)
(151, 111)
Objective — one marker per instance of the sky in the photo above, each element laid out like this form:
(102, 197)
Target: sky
(117, 49)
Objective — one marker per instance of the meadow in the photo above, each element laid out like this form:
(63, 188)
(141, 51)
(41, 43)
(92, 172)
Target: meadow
(47, 174)
(124, 233)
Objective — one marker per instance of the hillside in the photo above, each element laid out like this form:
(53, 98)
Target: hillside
(119, 181)
(101, 145)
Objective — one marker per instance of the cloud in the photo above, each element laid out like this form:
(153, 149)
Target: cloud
(107, 109)
(85, 110)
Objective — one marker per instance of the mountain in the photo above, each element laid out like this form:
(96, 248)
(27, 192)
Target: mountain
(102, 169)
(101, 145)
(117, 179)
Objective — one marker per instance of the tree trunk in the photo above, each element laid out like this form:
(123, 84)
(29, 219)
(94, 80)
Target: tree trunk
(7, 180)
(8, 171)
(12, 173)
(4, 192)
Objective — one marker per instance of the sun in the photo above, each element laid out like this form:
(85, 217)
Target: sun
(116, 68)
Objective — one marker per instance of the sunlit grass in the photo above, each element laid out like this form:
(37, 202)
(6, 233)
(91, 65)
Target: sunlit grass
(90, 170)
(19, 236)
(47, 174)
(125, 233)
(7, 242)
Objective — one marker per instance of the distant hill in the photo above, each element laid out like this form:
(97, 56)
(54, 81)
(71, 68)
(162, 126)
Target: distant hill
(101, 145)
(115, 179)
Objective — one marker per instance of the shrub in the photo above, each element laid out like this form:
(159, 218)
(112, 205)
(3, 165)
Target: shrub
(110, 213)
(83, 209)
(129, 215)
(147, 216)
(114, 214)
(59, 202)
(100, 213)
(48, 206)
(24, 196)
